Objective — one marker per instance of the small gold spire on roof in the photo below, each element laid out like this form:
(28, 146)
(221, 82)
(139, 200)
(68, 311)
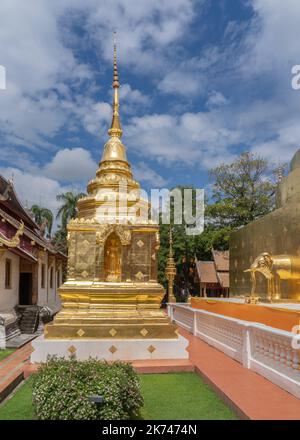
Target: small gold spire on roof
(115, 129)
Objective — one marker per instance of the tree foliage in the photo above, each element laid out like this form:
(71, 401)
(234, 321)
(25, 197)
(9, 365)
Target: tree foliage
(242, 191)
(68, 209)
(43, 218)
(66, 212)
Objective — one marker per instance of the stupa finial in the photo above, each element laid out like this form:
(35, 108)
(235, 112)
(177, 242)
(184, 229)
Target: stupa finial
(115, 129)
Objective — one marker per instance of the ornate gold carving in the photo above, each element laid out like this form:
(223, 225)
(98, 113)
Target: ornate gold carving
(139, 275)
(113, 349)
(80, 332)
(112, 258)
(144, 332)
(157, 236)
(113, 332)
(15, 240)
(151, 349)
(106, 230)
(72, 349)
(140, 243)
(83, 221)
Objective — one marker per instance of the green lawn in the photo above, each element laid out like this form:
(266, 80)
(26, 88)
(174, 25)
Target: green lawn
(5, 353)
(19, 407)
(181, 396)
(167, 396)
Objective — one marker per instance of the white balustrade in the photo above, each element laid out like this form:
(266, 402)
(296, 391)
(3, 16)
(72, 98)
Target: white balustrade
(271, 352)
(2, 337)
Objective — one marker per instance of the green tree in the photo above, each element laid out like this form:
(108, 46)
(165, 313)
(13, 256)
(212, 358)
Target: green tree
(43, 217)
(241, 192)
(68, 209)
(59, 240)
(183, 244)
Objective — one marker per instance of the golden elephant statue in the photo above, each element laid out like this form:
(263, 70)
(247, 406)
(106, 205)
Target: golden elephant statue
(274, 268)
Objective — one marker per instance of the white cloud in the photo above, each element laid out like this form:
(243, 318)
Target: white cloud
(216, 99)
(39, 49)
(33, 189)
(143, 173)
(132, 99)
(145, 29)
(96, 117)
(181, 83)
(71, 165)
(273, 39)
(194, 139)
(44, 77)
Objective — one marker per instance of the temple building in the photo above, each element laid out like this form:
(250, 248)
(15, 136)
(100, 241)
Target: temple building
(30, 269)
(213, 276)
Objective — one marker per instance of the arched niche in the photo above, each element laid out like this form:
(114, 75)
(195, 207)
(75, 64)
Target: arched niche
(113, 258)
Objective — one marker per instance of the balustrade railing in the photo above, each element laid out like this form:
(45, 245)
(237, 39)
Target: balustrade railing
(271, 352)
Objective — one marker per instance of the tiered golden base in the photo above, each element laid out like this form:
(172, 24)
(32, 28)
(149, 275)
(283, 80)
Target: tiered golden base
(111, 310)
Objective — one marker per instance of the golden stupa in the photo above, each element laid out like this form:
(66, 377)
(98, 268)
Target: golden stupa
(111, 289)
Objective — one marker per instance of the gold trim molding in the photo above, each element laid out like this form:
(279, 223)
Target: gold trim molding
(15, 240)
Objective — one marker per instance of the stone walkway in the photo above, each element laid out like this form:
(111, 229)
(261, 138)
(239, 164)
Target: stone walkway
(12, 368)
(249, 394)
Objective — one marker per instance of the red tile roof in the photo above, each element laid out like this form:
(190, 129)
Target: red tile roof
(224, 279)
(221, 259)
(207, 272)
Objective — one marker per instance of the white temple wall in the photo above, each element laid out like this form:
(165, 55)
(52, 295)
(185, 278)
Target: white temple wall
(47, 295)
(52, 289)
(42, 288)
(9, 297)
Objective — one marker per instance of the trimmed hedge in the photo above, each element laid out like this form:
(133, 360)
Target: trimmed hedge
(61, 390)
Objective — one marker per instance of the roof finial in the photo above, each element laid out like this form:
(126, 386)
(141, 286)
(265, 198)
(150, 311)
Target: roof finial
(115, 129)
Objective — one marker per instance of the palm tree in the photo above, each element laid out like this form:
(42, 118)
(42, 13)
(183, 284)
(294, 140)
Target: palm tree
(68, 208)
(43, 217)
(59, 240)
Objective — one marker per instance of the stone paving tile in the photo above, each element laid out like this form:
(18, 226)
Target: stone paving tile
(13, 365)
(255, 397)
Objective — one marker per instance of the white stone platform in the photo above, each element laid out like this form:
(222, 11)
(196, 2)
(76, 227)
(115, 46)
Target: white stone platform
(109, 349)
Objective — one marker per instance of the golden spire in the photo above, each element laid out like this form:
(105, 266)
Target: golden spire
(115, 128)
(170, 243)
(171, 270)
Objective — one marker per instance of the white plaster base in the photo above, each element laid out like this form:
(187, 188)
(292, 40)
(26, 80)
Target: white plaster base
(127, 349)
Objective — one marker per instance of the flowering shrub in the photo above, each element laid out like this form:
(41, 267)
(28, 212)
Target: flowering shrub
(61, 390)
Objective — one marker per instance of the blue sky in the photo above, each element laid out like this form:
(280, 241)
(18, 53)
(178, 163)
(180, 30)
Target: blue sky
(202, 80)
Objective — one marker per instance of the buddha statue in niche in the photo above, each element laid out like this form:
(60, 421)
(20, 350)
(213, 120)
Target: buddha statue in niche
(112, 258)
